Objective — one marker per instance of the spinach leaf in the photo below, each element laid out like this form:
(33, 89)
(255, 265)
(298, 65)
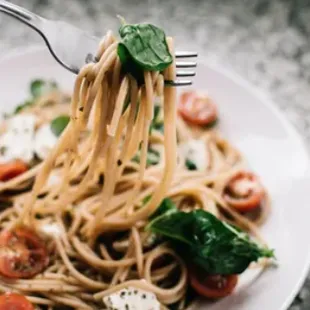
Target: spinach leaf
(127, 103)
(41, 87)
(166, 206)
(129, 66)
(143, 47)
(152, 158)
(190, 165)
(146, 199)
(207, 242)
(59, 123)
(212, 124)
(37, 89)
(22, 106)
(157, 123)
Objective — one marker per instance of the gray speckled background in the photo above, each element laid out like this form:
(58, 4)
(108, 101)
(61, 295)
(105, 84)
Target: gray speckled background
(265, 41)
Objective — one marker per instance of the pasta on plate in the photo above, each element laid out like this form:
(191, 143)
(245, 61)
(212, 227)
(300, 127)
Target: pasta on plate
(128, 197)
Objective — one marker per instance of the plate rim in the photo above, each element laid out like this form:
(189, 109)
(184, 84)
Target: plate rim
(289, 127)
(235, 77)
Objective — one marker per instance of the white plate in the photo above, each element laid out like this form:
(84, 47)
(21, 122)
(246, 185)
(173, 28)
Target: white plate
(271, 146)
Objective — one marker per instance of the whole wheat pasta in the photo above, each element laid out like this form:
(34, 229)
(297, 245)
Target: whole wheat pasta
(94, 218)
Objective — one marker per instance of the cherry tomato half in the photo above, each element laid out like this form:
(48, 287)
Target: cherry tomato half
(12, 301)
(22, 253)
(244, 192)
(197, 109)
(213, 286)
(12, 169)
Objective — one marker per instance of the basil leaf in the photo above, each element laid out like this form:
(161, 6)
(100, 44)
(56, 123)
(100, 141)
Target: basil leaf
(126, 104)
(167, 205)
(215, 246)
(156, 123)
(146, 199)
(152, 158)
(129, 66)
(59, 124)
(143, 47)
(41, 87)
(190, 165)
(212, 124)
(37, 89)
(22, 106)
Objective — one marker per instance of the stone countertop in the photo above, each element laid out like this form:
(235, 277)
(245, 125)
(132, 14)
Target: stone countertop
(265, 41)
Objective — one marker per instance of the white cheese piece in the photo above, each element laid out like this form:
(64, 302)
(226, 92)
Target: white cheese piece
(196, 152)
(17, 141)
(53, 179)
(244, 186)
(44, 141)
(51, 229)
(132, 299)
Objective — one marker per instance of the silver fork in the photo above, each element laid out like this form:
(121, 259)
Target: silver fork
(73, 47)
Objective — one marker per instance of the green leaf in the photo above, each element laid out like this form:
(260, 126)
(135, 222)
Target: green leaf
(126, 104)
(157, 123)
(41, 87)
(152, 158)
(190, 165)
(22, 106)
(37, 88)
(143, 47)
(212, 124)
(146, 199)
(129, 66)
(167, 205)
(59, 124)
(136, 158)
(206, 241)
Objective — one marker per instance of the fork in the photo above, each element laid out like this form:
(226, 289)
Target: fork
(73, 47)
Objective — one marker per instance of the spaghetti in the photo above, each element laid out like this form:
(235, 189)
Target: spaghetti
(108, 189)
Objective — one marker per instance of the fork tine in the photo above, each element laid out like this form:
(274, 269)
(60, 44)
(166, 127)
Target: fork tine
(186, 64)
(185, 73)
(179, 83)
(185, 54)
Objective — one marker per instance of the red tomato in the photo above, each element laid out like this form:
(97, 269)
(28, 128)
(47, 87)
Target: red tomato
(12, 169)
(22, 254)
(12, 301)
(213, 286)
(244, 192)
(197, 109)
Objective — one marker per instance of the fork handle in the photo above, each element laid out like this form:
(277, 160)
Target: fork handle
(20, 13)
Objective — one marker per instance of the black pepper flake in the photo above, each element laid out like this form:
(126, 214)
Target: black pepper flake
(143, 296)
(123, 294)
(135, 292)
(119, 162)
(127, 307)
(81, 109)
